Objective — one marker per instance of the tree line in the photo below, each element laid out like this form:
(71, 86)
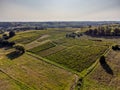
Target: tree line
(103, 31)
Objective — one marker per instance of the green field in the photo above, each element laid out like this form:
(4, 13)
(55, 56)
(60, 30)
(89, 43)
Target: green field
(30, 73)
(77, 57)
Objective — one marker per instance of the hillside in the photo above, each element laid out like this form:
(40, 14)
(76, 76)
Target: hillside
(105, 77)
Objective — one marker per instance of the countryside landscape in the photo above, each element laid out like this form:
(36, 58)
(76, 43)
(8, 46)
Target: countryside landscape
(63, 58)
(59, 45)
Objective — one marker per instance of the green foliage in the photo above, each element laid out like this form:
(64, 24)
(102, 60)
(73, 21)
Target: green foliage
(20, 48)
(103, 31)
(11, 34)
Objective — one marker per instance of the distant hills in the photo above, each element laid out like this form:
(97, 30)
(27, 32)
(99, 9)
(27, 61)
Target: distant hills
(73, 24)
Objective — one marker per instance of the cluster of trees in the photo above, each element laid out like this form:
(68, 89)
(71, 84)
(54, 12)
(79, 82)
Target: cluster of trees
(10, 34)
(116, 47)
(4, 42)
(73, 35)
(103, 31)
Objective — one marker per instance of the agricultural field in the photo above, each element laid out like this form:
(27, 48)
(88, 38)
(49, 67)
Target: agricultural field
(71, 53)
(77, 58)
(52, 60)
(27, 72)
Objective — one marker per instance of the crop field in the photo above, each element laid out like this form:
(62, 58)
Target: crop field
(53, 61)
(76, 54)
(77, 57)
(30, 73)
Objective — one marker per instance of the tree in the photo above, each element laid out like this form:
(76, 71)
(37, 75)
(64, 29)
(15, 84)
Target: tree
(116, 47)
(11, 34)
(102, 60)
(19, 48)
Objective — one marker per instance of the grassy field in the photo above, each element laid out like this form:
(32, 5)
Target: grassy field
(27, 36)
(105, 78)
(58, 56)
(30, 73)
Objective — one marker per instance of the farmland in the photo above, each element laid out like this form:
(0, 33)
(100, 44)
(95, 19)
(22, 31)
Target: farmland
(30, 73)
(54, 61)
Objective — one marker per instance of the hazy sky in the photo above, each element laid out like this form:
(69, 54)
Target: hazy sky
(59, 10)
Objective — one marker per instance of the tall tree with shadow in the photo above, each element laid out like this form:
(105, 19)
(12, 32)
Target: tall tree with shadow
(105, 66)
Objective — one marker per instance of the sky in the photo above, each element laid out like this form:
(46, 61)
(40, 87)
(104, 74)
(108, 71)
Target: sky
(59, 10)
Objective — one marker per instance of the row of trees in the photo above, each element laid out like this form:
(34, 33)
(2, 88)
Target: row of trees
(5, 43)
(73, 35)
(103, 32)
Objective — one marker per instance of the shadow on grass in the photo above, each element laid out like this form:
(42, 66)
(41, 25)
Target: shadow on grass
(13, 55)
(106, 67)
